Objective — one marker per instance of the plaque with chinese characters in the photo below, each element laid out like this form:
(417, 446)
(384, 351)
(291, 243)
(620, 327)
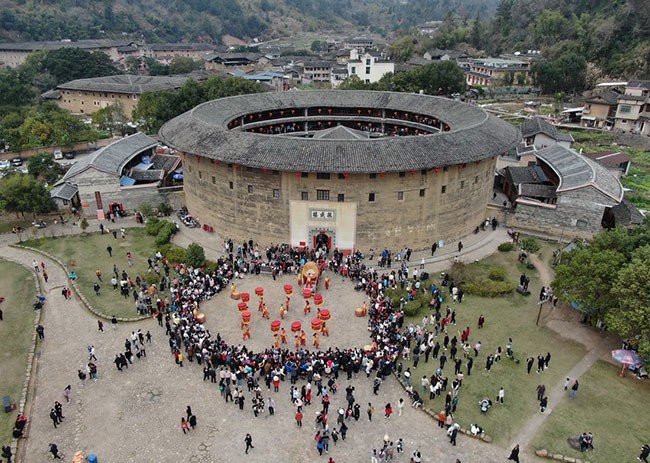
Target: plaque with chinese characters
(321, 214)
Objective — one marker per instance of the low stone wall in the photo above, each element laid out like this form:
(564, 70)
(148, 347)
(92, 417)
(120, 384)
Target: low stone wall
(543, 453)
(434, 415)
(31, 366)
(73, 285)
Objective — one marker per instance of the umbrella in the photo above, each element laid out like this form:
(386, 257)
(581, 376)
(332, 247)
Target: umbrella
(627, 357)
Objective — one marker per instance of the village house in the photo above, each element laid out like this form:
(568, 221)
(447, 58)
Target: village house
(15, 54)
(541, 133)
(600, 110)
(565, 193)
(85, 96)
(497, 72)
(129, 172)
(633, 109)
(616, 162)
(367, 67)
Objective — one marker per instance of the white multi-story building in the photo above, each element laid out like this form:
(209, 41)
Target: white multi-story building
(368, 68)
(633, 110)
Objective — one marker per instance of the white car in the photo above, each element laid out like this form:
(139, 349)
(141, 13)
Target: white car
(4, 164)
(58, 154)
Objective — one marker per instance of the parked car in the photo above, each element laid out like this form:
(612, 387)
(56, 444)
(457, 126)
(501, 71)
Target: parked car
(17, 162)
(58, 154)
(70, 155)
(4, 164)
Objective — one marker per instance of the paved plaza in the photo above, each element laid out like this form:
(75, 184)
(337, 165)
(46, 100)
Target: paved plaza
(134, 415)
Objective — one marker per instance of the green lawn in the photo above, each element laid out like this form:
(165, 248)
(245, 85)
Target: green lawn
(614, 409)
(87, 254)
(512, 316)
(16, 331)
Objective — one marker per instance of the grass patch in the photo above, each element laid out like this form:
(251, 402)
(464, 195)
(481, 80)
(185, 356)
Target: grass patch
(607, 405)
(87, 254)
(16, 331)
(510, 316)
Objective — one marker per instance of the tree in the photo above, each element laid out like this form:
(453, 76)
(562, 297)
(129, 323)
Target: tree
(83, 224)
(195, 255)
(565, 74)
(47, 125)
(631, 291)
(43, 167)
(586, 276)
(156, 108)
(13, 91)
(24, 194)
(184, 65)
(66, 64)
(156, 68)
(111, 118)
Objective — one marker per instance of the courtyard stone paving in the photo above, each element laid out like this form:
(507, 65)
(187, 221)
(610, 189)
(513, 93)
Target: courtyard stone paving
(134, 415)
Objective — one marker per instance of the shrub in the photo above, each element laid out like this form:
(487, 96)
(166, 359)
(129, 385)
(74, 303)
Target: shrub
(490, 288)
(530, 245)
(165, 232)
(211, 266)
(165, 209)
(176, 255)
(412, 308)
(195, 255)
(146, 210)
(505, 247)
(153, 226)
(497, 274)
(152, 278)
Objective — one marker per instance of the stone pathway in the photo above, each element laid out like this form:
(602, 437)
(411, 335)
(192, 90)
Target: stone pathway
(127, 415)
(596, 351)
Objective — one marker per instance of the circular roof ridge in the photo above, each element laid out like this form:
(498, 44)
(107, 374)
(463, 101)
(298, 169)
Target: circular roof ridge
(475, 135)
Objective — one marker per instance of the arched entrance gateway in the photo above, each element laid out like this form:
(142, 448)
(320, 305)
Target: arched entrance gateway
(365, 169)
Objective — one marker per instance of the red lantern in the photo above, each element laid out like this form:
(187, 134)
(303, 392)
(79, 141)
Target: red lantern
(460, 166)
(412, 172)
(436, 170)
(275, 325)
(288, 290)
(215, 162)
(324, 315)
(381, 174)
(296, 327)
(316, 324)
(346, 175)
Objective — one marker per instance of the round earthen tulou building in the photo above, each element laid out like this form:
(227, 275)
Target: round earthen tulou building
(348, 169)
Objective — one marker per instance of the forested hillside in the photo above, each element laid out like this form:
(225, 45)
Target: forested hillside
(612, 34)
(209, 20)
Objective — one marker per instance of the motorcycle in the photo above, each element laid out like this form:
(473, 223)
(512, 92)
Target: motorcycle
(39, 224)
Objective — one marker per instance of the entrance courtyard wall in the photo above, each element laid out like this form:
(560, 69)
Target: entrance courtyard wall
(240, 202)
(578, 214)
